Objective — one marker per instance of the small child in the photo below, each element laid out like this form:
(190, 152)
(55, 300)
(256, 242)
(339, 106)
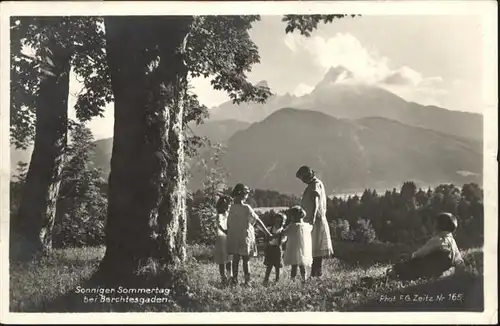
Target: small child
(221, 255)
(438, 255)
(274, 248)
(298, 252)
(241, 232)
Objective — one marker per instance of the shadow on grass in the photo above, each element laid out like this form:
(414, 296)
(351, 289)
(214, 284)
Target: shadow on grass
(167, 291)
(63, 303)
(461, 293)
(365, 255)
(201, 253)
(205, 254)
(74, 302)
(36, 282)
(176, 296)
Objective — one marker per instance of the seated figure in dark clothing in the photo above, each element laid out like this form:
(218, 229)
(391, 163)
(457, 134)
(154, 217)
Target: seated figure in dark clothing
(438, 255)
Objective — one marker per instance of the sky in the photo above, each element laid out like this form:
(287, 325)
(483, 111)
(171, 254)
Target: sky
(431, 60)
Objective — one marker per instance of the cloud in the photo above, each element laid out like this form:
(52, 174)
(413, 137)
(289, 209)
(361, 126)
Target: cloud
(434, 80)
(302, 89)
(207, 95)
(403, 76)
(367, 65)
(343, 49)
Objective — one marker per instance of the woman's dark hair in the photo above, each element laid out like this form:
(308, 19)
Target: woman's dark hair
(447, 222)
(240, 189)
(305, 171)
(221, 202)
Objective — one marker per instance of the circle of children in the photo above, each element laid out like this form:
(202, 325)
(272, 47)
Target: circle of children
(306, 240)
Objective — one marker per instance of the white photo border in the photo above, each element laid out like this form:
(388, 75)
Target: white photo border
(486, 9)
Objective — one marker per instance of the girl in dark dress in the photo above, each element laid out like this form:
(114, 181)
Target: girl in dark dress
(274, 248)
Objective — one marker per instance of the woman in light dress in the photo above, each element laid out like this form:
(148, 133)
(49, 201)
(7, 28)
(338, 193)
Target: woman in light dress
(241, 233)
(314, 203)
(221, 256)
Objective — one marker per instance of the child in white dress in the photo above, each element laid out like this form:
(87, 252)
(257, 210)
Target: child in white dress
(298, 251)
(221, 256)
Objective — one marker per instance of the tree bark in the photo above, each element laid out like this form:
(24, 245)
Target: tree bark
(145, 225)
(173, 219)
(34, 224)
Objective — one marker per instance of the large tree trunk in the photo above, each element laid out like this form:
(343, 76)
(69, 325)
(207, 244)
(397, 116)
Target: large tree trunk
(145, 225)
(173, 219)
(34, 224)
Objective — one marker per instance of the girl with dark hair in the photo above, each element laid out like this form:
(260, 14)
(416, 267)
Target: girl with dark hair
(221, 256)
(240, 231)
(273, 257)
(436, 256)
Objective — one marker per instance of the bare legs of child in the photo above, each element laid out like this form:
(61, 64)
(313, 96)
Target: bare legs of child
(269, 268)
(225, 271)
(302, 272)
(246, 271)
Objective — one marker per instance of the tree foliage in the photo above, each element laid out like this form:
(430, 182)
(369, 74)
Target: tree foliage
(341, 230)
(271, 198)
(388, 218)
(203, 211)
(81, 206)
(16, 187)
(305, 24)
(363, 231)
(83, 38)
(220, 48)
(394, 220)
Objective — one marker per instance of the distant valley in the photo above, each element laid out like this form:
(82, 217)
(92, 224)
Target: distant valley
(355, 136)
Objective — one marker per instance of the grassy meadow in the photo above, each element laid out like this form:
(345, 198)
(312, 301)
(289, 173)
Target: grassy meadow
(48, 285)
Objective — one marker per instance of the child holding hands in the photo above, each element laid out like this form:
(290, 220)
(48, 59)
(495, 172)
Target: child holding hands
(241, 232)
(298, 252)
(274, 248)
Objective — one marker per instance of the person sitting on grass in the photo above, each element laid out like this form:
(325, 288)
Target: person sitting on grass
(438, 255)
(274, 249)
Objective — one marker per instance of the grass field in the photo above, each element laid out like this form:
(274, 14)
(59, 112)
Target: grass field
(49, 285)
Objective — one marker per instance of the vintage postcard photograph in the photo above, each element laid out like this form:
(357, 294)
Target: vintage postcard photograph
(197, 162)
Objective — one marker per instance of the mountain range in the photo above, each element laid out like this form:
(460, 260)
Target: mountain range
(356, 136)
(349, 155)
(338, 96)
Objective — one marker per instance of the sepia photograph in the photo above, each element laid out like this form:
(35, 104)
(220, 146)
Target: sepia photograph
(271, 158)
